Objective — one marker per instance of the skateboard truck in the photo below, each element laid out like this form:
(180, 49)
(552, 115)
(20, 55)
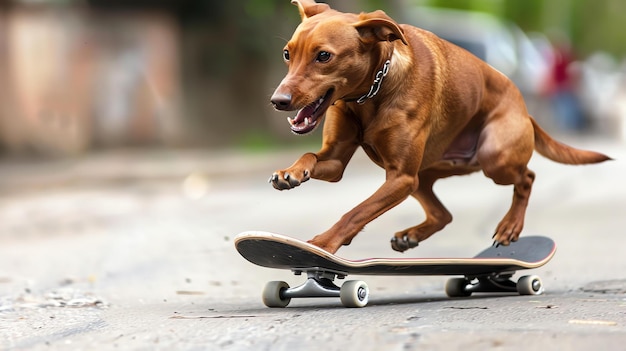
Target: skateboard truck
(319, 283)
(494, 283)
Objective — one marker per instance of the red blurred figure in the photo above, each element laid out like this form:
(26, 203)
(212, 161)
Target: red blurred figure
(562, 89)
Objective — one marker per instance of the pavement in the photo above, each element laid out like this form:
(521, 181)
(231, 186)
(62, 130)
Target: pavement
(132, 249)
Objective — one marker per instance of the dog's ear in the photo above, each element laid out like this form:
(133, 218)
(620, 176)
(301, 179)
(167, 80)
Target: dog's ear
(377, 26)
(309, 8)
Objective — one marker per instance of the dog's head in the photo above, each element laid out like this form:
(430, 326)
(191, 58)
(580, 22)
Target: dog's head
(331, 56)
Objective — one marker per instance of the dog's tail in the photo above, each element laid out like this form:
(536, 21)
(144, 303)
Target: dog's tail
(558, 152)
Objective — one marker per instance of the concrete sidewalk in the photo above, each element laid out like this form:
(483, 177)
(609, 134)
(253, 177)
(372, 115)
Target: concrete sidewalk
(129, 165)
(118, 166)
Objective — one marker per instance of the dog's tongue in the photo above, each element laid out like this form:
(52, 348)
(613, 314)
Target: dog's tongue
(305, 112)
(306, 118)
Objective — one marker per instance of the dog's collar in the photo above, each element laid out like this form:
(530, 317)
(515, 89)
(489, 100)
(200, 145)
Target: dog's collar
(378, 80)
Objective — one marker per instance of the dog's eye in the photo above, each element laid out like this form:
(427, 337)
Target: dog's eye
(286, 55)
(323, 56)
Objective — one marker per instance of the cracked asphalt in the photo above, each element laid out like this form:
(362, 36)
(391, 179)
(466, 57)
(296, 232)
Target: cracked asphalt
(132, 250)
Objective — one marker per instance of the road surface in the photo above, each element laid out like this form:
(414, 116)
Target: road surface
(133, 250)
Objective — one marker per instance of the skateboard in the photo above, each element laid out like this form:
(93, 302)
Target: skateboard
(489, 271)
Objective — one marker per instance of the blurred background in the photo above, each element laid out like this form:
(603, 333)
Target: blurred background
(84, 75)
(136, 138)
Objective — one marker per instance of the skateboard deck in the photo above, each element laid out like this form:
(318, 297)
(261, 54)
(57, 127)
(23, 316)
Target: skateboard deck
(489, 271)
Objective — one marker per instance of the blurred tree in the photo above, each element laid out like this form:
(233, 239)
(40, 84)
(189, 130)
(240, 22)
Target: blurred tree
(228, 49)
(591, 25)
(599, 25)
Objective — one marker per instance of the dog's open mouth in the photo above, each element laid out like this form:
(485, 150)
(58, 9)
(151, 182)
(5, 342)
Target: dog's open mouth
(310, 115)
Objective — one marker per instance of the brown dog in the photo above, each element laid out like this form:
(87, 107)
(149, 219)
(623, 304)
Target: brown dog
(420, 107)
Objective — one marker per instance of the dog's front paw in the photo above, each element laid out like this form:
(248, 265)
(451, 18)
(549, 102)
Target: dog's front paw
(289, 179)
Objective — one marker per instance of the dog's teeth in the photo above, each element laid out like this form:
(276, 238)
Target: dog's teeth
(307, 121)
(290, 120)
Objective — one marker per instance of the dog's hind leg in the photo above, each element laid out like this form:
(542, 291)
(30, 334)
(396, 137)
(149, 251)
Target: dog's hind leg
(510, 227)
(503, 154)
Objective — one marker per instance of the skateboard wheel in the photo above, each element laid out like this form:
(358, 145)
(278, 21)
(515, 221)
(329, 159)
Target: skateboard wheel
(457, 287)
(272, 294)
(354, 293)
(530, 285)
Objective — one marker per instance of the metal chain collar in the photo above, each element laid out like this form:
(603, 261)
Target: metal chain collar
(376, 85)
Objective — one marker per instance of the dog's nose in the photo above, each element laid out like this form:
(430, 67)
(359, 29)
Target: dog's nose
(281, 101)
